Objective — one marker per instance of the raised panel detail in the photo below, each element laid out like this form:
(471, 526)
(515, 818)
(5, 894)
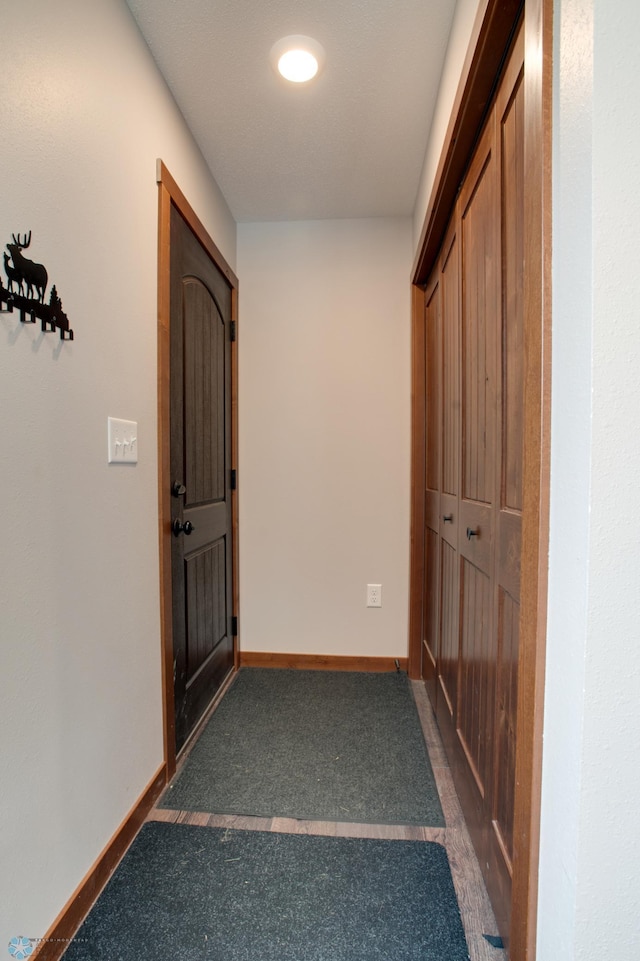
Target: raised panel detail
(206, 604)
(479, 321)
(475, 369)
(432, 366)
(507, 700)
(450, 360)
(449, 646)
(512, 200)
(204, 385)
(476, 706)
(431, 583)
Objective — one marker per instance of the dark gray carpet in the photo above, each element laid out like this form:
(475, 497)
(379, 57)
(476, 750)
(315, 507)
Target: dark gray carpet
(318, 745)
(186, 893)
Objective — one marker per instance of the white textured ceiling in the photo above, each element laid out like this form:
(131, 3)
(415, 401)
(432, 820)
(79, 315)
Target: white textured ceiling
(349, 144)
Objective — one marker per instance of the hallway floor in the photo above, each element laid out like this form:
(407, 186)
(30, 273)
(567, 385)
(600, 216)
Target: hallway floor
(475, 909)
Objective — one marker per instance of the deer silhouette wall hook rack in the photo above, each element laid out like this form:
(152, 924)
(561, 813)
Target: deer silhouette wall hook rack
(26, 288)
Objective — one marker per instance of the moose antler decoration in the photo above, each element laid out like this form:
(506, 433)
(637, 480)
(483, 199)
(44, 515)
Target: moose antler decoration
(25, 277)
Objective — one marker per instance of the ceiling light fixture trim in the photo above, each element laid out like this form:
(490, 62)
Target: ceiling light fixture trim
(297, 58)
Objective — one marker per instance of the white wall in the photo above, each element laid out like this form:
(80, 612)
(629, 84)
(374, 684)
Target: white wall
(324, 435)
(84, 116)
(461, 28)
(590, 847)
(571, 429)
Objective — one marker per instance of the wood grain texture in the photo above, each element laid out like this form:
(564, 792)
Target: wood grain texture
(505, 723)
(475, 907)
(204, 405)
(164, 475)
(474, 583)
(508, 495)
(81, 901)
(320, 662)
(494, 25)
(235, 513)
(164, 177)
(450, 423)
(418, 453)
(170, 196)
(477, 675)
(449, 659)
(200, 389)
(433, 388)
(510, 111)
(206, 607)
(479, 319)
(433, 418)
(202, 723)
(538, 27)
(432, 574)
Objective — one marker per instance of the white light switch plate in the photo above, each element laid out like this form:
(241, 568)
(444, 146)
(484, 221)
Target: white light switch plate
(123, 441)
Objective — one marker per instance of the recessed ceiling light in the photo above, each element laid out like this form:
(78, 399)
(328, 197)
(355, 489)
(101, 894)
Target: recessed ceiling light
(297, 58)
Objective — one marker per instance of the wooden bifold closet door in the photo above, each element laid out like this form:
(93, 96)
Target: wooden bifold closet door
(473, 496)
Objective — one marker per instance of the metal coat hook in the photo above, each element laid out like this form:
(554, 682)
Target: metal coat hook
(25, 291)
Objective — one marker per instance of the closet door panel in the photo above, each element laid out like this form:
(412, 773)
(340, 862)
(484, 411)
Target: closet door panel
(510, 114)
(507, 698)
(480, 313)
(433, 386)
(433, 412)
(479, 332)
(450, 300)
(476, 704)
(475, 369)
(432, 609)
(448, 661)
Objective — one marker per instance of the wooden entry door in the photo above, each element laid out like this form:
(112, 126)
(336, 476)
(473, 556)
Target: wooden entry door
(201, 514)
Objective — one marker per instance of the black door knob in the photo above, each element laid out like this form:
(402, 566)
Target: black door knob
(178, 489)
(471, 533)
(179, 528)
(447, 518)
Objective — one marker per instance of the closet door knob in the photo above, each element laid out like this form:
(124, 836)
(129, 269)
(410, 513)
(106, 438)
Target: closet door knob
(447, 518)
(471, 533)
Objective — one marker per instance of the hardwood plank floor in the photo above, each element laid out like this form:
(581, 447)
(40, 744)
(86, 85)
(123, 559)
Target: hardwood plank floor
(473, 900)
(475, 908)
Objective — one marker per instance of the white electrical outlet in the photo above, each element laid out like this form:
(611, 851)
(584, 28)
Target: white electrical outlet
(122, 436)
(374, 595)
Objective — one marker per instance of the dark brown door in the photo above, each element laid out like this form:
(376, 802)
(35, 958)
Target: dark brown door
(201, 558)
